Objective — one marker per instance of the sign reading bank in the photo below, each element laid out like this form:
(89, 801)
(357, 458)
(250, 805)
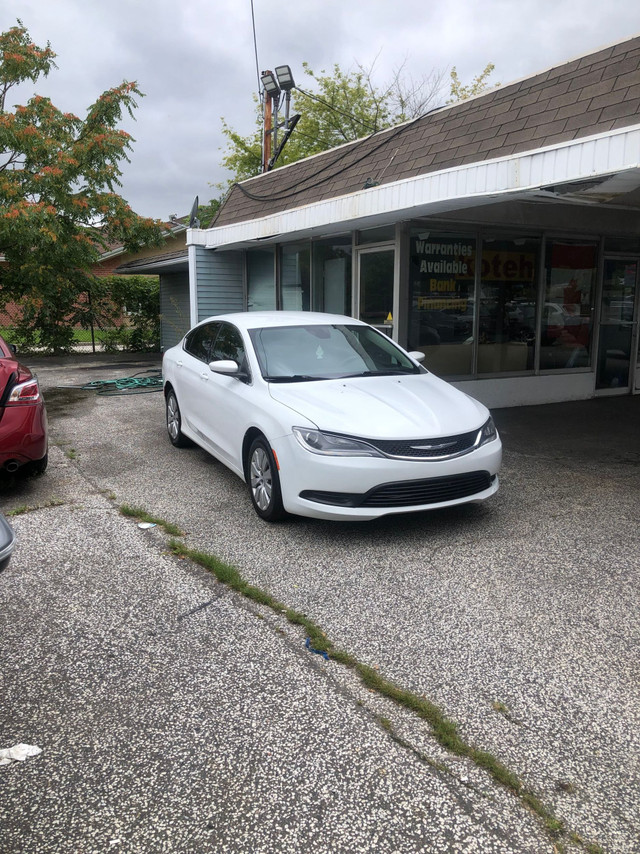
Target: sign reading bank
(444, 264)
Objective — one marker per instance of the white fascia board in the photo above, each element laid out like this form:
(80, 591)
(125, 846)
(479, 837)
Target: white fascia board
(193, 290)
(472, 183)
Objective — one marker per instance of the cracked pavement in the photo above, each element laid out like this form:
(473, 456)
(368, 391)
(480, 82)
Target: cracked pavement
(175, 716)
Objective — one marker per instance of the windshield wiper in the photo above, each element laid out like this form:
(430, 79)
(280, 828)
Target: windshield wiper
(394, 373)
(294, 378)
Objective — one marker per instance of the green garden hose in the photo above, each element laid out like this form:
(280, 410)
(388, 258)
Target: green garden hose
(137, 384)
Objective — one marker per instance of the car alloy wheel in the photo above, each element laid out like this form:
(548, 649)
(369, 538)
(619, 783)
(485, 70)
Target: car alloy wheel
(174, 422)
(264, 482)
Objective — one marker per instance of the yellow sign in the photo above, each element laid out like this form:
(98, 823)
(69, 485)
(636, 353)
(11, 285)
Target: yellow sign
(389, 318)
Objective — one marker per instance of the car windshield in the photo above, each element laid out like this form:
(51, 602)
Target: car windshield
(319, 352)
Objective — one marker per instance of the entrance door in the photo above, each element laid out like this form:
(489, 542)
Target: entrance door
(375, 288)
(618, 355)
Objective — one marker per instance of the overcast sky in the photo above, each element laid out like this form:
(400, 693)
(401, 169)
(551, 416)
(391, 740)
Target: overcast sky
(195, 61)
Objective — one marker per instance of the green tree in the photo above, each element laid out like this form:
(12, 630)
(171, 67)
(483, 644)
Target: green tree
(341, 107)
(477, 86)
(58, 202)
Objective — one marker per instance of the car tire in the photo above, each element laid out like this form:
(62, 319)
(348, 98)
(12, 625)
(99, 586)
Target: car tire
(174, 422)
(37, 467)
(264, 481)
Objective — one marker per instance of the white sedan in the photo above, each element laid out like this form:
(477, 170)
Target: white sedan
(324, 416)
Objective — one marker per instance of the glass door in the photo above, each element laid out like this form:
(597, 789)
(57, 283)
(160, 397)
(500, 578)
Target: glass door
(617, 342)
(375, 288)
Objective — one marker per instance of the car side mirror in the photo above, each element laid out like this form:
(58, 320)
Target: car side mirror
(417, 355)
(224, 366)
(229, 368)
(13, 348)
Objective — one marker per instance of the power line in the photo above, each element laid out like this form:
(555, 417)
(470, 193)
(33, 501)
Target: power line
(336, 110)
(290, 192)
(255, 47)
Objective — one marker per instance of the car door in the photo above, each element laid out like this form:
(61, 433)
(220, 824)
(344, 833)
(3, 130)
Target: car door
(192, 374)
(226, 406)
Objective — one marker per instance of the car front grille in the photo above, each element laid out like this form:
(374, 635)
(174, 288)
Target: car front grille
(409, 493)
(427, 449)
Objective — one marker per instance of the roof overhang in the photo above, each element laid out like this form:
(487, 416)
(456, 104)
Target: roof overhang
(171, 230)
(599, 169)
(156, 265)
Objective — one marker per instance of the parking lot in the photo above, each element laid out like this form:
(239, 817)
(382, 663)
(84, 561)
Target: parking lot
(175, 715)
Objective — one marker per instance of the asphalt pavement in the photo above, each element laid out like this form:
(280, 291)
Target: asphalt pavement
(177, 716)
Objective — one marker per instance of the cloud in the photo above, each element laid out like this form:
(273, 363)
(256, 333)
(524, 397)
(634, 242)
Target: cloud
(196, 61)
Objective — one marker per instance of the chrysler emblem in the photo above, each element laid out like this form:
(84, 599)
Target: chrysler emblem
(432, 447)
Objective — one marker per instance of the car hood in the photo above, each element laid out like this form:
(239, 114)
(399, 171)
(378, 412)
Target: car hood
(408, 407)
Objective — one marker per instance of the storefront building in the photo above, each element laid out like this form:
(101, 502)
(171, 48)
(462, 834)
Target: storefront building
(499, 236)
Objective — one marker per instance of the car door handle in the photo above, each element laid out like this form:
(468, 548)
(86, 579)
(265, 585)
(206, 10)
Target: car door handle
(204, 376)
(179, 364)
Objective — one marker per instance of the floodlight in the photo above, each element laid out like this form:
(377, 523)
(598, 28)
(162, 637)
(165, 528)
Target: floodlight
(285, 78)
(269, 82)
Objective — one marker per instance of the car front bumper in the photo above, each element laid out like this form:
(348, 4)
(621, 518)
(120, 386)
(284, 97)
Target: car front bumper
(365, 488)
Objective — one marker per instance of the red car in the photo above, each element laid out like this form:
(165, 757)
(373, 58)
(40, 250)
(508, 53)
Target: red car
(23, 418)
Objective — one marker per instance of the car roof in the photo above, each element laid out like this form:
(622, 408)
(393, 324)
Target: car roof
(261, 319)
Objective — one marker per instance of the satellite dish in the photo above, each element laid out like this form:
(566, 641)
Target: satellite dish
(194, 222)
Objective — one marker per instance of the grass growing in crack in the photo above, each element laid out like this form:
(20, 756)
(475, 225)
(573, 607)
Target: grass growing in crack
(142, 516)
(28, 508)
(444, 730)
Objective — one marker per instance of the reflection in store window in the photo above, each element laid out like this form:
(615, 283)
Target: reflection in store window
(508, 305)
(441, 311)
(615, 349)
(332, 275)
(261, 283)
(295, 278)
(376, 287)
(567, 316)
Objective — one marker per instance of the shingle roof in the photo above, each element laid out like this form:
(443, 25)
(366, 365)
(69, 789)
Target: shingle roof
(593, 94)
(154, 260)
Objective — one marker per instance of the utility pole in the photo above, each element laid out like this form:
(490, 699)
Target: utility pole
(266, 141)
(271, 92)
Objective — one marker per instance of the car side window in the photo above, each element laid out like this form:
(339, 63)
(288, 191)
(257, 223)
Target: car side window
(199, 342)
(228, 345)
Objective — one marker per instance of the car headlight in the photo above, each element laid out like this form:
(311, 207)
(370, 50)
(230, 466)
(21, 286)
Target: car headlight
(333, 445)
(488, 432)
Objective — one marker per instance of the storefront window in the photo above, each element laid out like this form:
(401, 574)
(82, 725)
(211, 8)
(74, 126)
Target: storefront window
(508, 305)
(441, 312)
(622, 245)
(380, 234)
(332, 275)
(295, 278)
(261, 288)
(567, 316)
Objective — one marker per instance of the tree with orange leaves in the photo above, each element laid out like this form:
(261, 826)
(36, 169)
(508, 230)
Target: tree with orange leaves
(59, 204)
